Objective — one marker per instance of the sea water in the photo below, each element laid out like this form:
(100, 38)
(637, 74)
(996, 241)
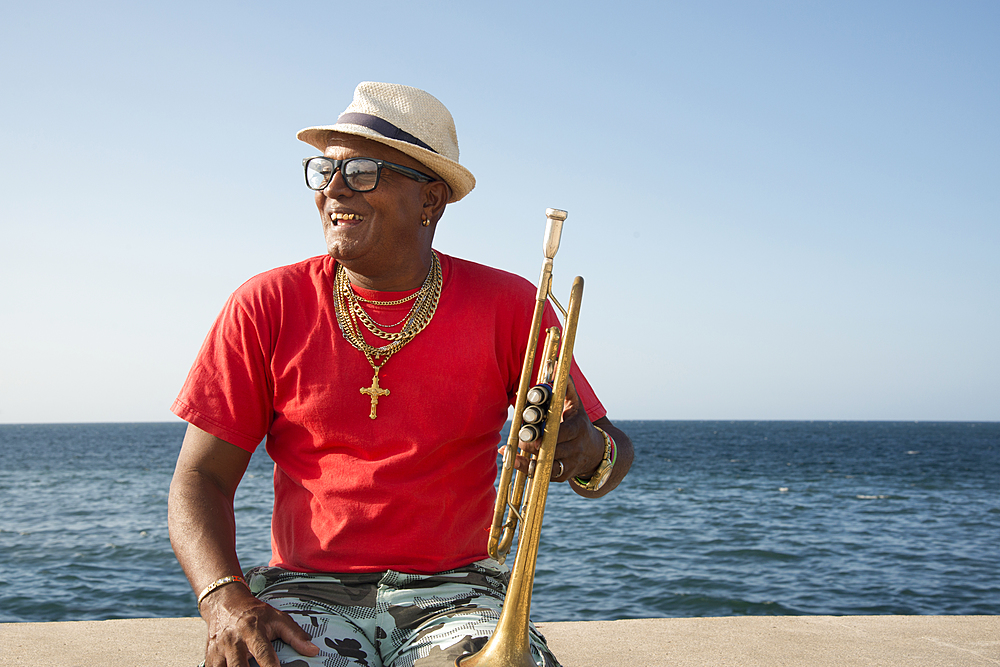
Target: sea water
(715, 519)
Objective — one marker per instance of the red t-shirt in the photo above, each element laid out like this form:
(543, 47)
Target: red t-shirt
(411, 490)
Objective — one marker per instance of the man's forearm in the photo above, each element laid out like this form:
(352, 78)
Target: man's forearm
(203, 534)
(202, 529)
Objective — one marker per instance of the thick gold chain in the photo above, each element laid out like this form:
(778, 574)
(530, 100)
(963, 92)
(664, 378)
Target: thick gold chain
(377, 327)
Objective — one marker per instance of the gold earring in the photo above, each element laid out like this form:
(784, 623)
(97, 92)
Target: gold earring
(426, 222)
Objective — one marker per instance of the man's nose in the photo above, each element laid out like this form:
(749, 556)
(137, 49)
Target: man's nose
(337, 185)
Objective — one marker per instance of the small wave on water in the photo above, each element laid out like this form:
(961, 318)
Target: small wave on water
(715, 519)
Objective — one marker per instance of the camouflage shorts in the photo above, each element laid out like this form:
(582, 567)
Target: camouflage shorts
(390, 619)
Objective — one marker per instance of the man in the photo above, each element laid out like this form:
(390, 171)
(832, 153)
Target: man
(380, 374)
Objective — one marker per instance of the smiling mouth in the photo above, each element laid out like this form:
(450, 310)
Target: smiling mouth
(337, 218)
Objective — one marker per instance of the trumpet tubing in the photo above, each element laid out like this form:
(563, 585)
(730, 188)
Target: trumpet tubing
(509, 644)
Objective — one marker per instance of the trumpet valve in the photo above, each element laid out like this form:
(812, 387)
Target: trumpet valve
(539, 394)
(533, 414)
(530, 432)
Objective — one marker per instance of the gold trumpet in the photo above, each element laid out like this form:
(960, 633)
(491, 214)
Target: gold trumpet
(537, 407)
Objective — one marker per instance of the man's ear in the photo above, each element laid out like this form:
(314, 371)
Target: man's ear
(436, 196)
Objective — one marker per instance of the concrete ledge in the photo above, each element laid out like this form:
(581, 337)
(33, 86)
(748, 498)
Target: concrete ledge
(732, 641)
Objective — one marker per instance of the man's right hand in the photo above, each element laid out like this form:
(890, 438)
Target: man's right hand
(240, 626)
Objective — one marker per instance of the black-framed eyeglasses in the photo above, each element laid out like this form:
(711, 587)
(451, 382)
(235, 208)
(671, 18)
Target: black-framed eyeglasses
(361, 174)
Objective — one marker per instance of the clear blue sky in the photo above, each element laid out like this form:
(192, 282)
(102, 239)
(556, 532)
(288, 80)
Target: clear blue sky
(783, 210)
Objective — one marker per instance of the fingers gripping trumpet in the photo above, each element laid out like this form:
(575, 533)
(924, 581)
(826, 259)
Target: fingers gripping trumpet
(521, 496)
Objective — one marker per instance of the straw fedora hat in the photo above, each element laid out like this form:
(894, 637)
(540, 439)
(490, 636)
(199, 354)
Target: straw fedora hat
(408, 119)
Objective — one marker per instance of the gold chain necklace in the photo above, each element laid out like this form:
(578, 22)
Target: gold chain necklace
(349, 312)
(347, 305)
(359, 313)
(373, 326)
(387, 303)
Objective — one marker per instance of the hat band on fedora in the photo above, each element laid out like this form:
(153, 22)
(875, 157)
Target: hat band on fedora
(382, 126)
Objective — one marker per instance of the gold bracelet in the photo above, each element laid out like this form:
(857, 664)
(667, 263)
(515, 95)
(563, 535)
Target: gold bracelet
(219, 583)
(603, 471)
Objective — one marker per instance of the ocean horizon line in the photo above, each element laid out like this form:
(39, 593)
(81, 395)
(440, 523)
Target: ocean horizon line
(723, 420)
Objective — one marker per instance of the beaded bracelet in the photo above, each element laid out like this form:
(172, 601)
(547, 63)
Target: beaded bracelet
(219, 583)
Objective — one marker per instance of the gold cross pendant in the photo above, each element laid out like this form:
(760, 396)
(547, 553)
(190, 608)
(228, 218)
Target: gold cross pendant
(374, 392)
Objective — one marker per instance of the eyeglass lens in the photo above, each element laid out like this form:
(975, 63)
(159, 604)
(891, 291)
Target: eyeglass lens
(360, 174)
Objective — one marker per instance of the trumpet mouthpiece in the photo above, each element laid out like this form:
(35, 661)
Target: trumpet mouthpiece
(553, 231)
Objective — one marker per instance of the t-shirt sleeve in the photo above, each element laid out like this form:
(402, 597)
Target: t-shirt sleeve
(592, 404)
(228, 392)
